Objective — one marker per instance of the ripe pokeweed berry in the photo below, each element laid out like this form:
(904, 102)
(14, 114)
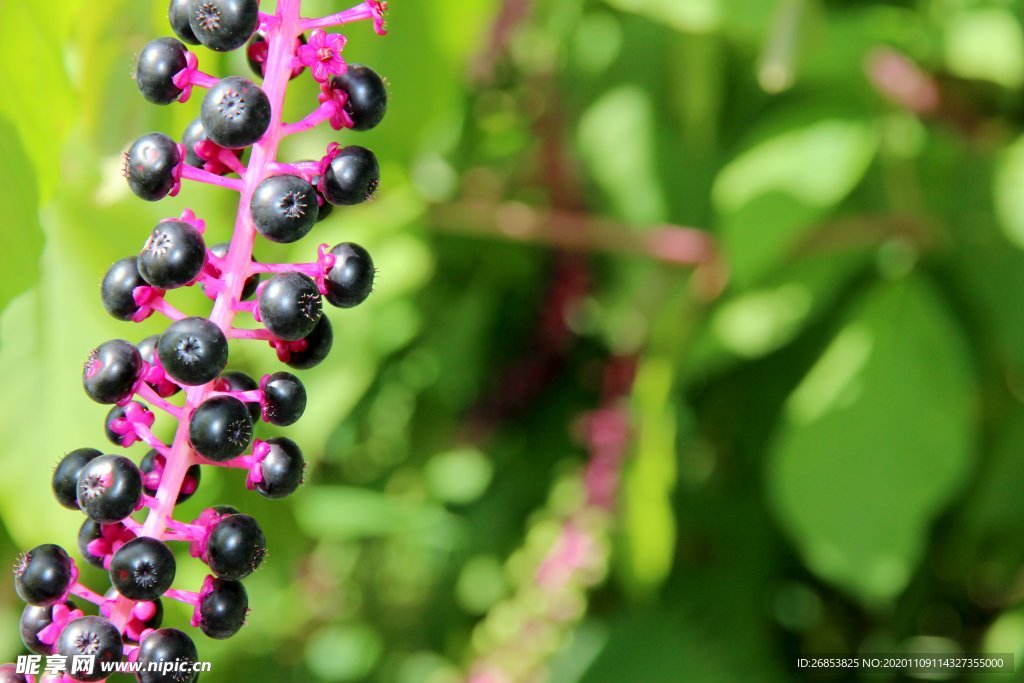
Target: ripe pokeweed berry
(367, 96)
(109, 488)
(222, 611)
(234, 380)
(290, 305)
(90, 531)
(160, 650)
(235, 113)
(149, 166)
(318, 347)
(350, 280)
(173, 255)
(147, 349)
(220, 428)
(111, 371)
(35, 618)
(43, 575)
(94, 637)
(282, 469)
(235, 547)
(223, 25)
(193, 351)
(284, 399)
(154, 462)
(65, 476)
(116, 413)
(142, 569)
(257, 50)
(177, 15)
(9, 674)
(156, 67)
(352, 177)
(284, 208)
(118, 287)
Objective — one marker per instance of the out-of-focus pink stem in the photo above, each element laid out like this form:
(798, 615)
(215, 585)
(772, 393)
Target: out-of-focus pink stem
(312, 270)
(187, 597)
(262, 334)
(322, 113)
(358, 13)
(147, 393)
(85, 593)
(160, 305)
(200, 176)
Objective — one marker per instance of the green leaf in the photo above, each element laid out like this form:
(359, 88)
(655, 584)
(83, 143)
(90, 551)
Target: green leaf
(876, 440)
(22, 241)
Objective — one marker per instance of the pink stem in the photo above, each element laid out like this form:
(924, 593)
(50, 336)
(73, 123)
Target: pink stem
(302, 168)
(147, 393)
(203, 80)
(357, 13)
(201, 176)
(187, 597)
(313, 270)
(254, 396)
(262, 334)
(228, 158)
(86, 593)
(322, 113)
(161, 306)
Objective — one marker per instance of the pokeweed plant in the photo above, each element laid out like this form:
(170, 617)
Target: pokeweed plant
(279, 201)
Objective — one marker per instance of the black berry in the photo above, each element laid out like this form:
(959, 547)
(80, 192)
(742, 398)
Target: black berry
(109, 488)
(142, 569)
(236, 547)
(367, 97)
(153, 460)
(158, 63)
(118, 286)
(290, 305)
(223, 25)
(284, 399)
(91, 636)
(222, 610)
(111, 371)
(258, 49)
(150, 164)
(116, 413)
(235, 113)
(325, 206)
(318, 346)
(167, 645)
(173, 255)
(233, 380)
(177, 14)
(284, 208)
(33, 620)
(225, 509)
(42, 575)
(350, 281)
(65, 476)
(220, 428)
(282, 469)
(352, 177)
(193, 351)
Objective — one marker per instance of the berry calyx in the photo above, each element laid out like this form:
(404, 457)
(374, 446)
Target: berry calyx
(157, 65)
(223, 608)
(142, 569)
(235, 113)
(316, 347)
(109, 488)
(150, 166)
(350, 280)
(223, 25)
(111, 371)
(118, 287)
(193, 351)
(284, 399)
(352, 177)
(284, 208)
(94, 637)
(43, 575)
(220, 428)
(65, 476)
(173, 255)
(34, 619)
(118, 413)
(152, 467)
(162, 648)
(367, 96)
(177, 15)
(290, 305)
(233, 380)
(236, 547)
(282, 469)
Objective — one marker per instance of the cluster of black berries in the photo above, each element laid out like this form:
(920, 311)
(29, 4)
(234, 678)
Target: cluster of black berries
(221, 406)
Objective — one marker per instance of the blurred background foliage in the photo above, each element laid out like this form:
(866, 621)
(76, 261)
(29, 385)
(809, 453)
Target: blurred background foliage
(827, 420)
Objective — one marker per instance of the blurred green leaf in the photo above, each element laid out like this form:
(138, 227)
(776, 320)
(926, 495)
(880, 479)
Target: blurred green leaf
(21, 240)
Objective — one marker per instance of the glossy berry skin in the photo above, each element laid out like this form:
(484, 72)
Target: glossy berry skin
(223, 25)
(142, 569)
(43, 575)
(177, 14)
(173, 255)
(222, 610)
(282, 469)
(318, 347)
(9, 674)
(193, 351)
(90, 531)
(166, 645)
(235, 113)
(33, 620)
(352, 177)
(284, 399)
(111, 371)
(251, 282)
(236, 547)
(350, 281)
(290, 305)
(65, 476)
(233, 380)
(150, 165)
(257, 50)
(193, 476)
(118, 287)
(116, 413)
(367, 96)
(284, 208)
(158, 63)
(109, 488)
(220, 428)
(325, 206)
(93, 636)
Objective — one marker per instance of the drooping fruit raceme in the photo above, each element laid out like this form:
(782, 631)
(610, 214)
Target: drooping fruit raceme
(182, 374)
